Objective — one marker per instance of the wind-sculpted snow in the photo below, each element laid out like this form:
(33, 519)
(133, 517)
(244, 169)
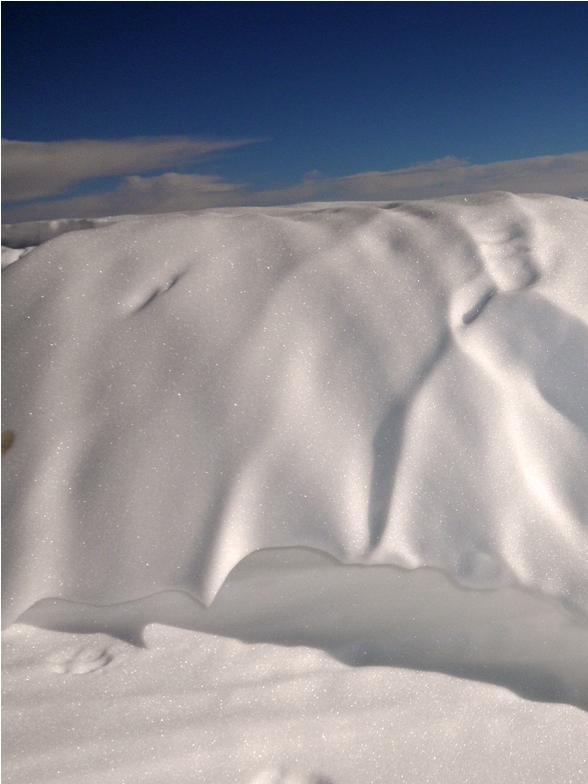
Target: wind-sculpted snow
(399, 383)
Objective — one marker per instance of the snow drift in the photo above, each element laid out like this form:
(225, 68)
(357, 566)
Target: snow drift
(400, 383)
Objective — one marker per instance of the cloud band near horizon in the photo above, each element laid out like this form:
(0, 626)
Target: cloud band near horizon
(39, 170)
(35, 170)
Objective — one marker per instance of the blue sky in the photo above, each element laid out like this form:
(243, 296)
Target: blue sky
(191, 104)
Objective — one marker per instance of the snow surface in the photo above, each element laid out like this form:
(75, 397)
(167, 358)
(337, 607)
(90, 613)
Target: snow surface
(396, 385)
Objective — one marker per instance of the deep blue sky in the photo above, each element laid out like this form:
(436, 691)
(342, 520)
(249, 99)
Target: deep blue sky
(340, 88)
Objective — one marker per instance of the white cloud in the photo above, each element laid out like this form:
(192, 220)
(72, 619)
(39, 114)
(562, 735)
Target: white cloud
(138, 195)
(34, 170)
(565, 175)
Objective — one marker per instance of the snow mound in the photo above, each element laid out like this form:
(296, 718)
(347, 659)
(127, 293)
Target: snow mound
(400, 383)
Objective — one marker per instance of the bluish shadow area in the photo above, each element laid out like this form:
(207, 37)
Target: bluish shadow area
(366, 616)
(387, 448)
(562, 373)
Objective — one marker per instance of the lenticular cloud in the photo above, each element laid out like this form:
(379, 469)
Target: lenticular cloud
(400, 383)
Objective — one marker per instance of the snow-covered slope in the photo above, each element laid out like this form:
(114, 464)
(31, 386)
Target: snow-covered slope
(399, 383)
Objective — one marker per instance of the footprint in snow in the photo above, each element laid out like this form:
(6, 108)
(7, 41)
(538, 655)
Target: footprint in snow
(80, 661)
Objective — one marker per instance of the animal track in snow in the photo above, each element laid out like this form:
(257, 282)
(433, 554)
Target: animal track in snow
(479, 305)
(80, 661)
(469, 301)
(158, 292)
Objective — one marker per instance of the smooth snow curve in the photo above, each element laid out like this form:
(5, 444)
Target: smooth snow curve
(399, 383)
